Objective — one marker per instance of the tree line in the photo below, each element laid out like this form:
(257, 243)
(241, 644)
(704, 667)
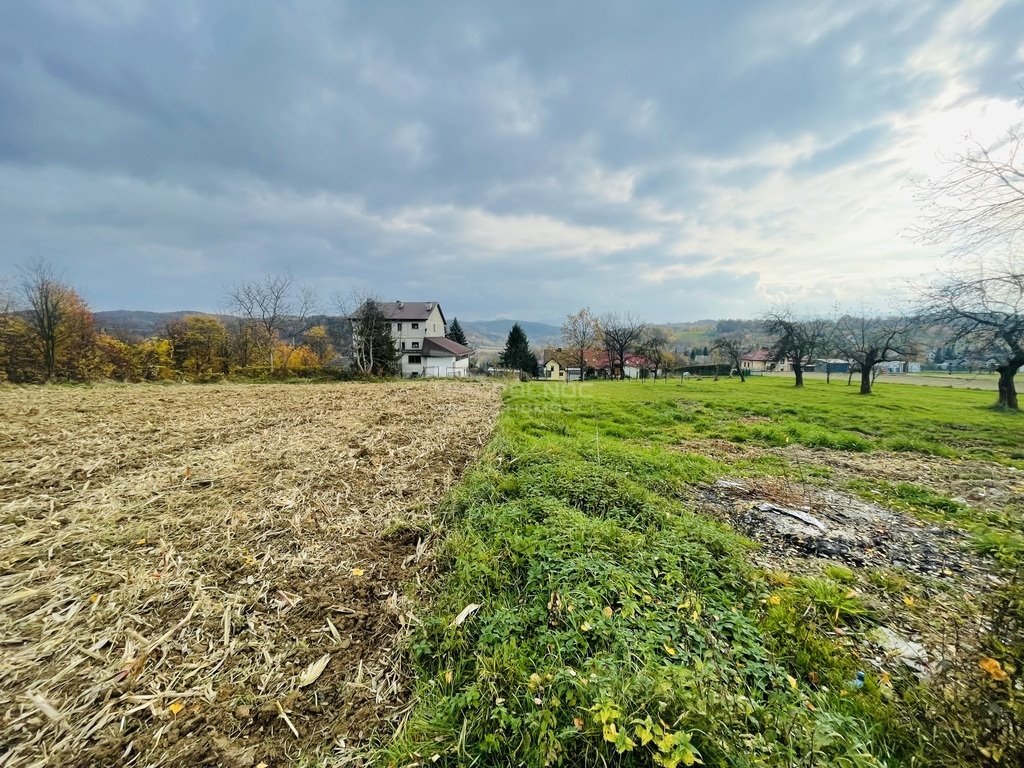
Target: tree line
(271, 329)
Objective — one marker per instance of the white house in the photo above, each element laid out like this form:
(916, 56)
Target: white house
(418, 328)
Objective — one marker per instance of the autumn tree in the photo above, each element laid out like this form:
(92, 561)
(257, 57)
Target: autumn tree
(271, 305)
(517, 354)
(318, 341)
(794, 340)
(731, 349)
(580, 335)
(868, 342)
(982, 307)
(48, 304)
(373, 347)
(456, 334)
(199, 345)
(621, 334)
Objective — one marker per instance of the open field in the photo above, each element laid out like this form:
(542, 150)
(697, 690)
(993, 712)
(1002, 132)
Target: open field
(743, 574)
(211, 575)
(988, 382)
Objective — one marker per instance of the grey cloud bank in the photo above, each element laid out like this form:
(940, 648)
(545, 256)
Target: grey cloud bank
(520, 160)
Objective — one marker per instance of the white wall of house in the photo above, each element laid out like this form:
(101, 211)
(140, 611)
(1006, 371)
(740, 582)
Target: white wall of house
(409, 334)
(434, 367)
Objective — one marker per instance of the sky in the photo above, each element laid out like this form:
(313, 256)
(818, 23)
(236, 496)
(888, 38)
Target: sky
(676, 160)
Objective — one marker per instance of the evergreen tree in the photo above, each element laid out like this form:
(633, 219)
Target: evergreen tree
(455, 333)
(517, 354)
(374, 351)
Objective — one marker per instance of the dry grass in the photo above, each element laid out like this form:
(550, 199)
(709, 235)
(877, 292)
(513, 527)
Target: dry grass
(173, 559)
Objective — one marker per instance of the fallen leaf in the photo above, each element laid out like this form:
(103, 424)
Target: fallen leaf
(669, 650)
(908, 600)
(465, 613)
(792, 681)
(585, 626)
(313, 671)
(607, 611)
(994, 668)
(774, 600)
(175, 708)
(358, 571)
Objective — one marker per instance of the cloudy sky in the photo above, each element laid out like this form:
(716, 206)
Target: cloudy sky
(681, 160)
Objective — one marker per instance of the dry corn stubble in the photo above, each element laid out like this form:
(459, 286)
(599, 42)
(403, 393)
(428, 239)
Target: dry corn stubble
(176, 562)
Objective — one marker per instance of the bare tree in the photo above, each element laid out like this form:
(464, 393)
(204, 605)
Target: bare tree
(271, 304)
(868, 342)
(579, 334)
(983, 307)
(49, 303)
(654, 347)
(732, 350)
(621, 334)
(795, 340)
(977, 206)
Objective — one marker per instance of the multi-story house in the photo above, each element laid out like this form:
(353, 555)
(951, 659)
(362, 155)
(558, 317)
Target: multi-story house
(418, 328)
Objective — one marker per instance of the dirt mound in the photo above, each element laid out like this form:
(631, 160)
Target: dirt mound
(214, 575)
(793, 518)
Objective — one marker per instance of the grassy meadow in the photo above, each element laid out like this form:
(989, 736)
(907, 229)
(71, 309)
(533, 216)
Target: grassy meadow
(591, 611)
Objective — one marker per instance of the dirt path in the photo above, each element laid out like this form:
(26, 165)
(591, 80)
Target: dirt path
(212, 575)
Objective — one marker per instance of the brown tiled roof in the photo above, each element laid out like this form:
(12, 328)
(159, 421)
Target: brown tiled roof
(439, 346)
(758, 356)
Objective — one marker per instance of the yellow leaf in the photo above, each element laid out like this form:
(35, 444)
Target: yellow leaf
(448, 676)
(666, 742)
(607, 611)
(851, 593)
(94, 598)
(669, 649)
(774, 600)
(358, 571)
(175, 708)
(908, 600)
(643, 734)
(585, 626)
(792, 681)
(610, 732)
(578, 723)
(994, 668)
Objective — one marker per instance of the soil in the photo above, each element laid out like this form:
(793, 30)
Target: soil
(174, 559)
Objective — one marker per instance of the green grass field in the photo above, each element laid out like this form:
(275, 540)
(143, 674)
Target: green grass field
(620, 624)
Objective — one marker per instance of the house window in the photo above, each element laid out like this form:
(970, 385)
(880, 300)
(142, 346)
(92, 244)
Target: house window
(399, 326)
(415, 345)
(415, 326)
(414, 359)
(403, 345)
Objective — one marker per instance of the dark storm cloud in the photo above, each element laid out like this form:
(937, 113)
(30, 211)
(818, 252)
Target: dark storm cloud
(503, 158)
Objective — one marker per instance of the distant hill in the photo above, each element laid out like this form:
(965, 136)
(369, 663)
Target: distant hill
(140, 323)
(490, 335)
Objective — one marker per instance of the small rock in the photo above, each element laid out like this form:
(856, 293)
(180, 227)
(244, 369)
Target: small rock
(243, 711)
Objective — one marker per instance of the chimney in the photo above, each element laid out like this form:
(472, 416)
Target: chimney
(400, 304)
